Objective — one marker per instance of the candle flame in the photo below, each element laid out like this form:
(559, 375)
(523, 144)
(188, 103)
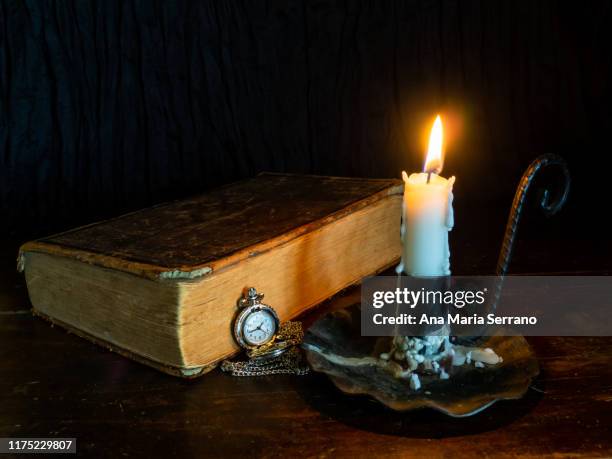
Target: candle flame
(433, 162)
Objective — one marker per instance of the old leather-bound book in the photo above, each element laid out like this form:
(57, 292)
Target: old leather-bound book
(161, 285)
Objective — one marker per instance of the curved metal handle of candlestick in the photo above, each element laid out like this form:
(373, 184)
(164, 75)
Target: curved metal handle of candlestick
(549, 208)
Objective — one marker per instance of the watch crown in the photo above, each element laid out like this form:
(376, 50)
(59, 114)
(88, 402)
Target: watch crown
(251, 297)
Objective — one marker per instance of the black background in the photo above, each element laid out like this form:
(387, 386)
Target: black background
(108, 106)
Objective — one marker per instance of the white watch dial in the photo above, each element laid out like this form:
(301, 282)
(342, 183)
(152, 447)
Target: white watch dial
(259, 328)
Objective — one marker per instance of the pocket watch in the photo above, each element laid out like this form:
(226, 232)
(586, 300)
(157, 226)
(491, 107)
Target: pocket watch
(256, 324)
(270, 347)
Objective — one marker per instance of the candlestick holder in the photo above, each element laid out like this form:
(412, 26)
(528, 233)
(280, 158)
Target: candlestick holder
(334, 344)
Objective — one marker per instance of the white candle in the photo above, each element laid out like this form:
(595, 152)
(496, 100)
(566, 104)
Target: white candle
(427, 215)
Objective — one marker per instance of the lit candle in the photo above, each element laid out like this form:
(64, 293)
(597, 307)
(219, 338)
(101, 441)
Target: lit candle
(427, 215)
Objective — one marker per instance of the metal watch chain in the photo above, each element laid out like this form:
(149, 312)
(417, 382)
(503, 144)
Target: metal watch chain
(288, 362)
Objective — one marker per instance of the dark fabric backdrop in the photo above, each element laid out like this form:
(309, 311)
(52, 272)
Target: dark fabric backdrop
(107, 106)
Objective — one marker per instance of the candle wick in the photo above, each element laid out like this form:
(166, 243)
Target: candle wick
(428, 177)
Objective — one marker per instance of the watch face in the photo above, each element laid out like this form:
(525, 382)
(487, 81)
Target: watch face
(259, 327)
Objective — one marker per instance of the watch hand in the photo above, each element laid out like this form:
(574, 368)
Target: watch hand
(253, 330)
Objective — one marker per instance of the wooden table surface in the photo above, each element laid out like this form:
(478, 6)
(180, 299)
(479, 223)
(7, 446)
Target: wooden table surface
(56, 384)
